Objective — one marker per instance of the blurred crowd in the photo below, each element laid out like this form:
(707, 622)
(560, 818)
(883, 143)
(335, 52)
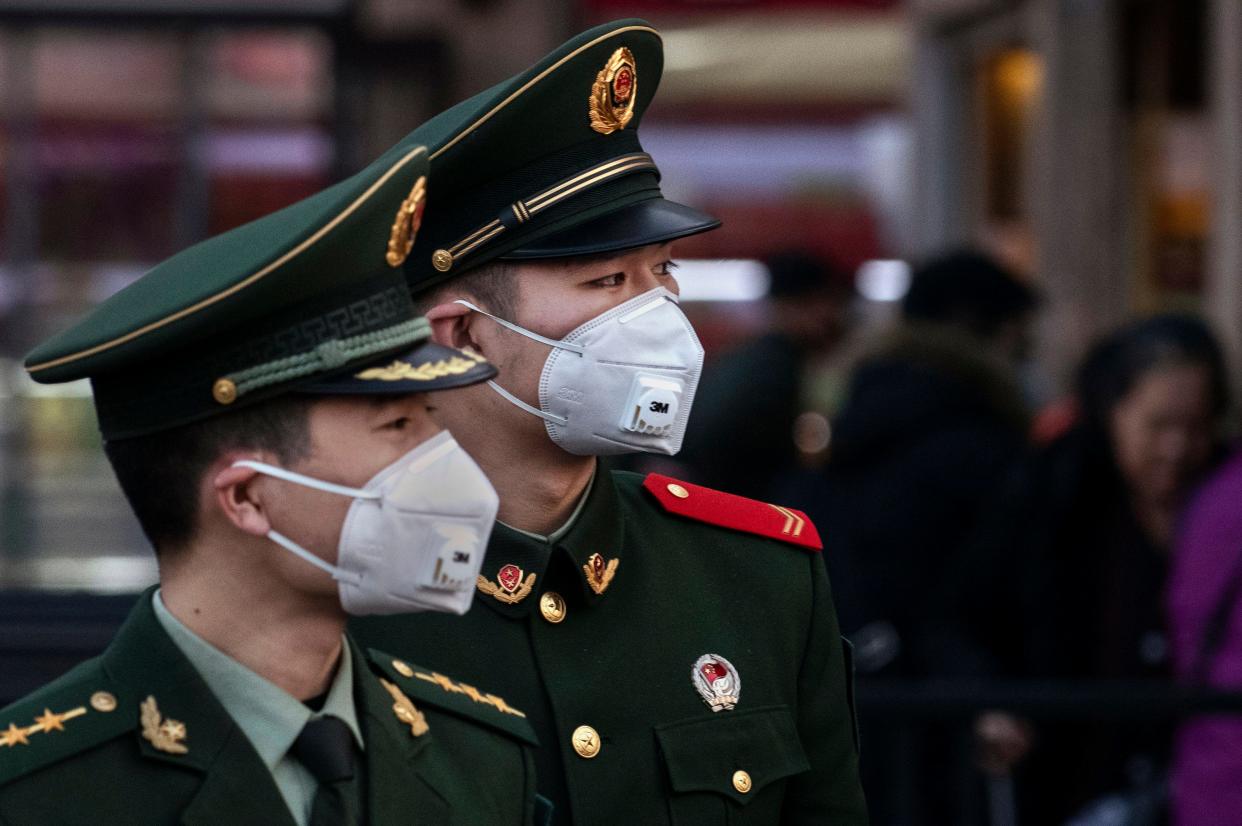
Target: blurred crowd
(975, 532)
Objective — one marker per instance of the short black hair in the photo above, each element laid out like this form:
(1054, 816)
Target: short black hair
(968, 289)
(160, 473)
(493, 284)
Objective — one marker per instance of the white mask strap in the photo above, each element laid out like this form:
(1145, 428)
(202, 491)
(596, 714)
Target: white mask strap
(336, 573)
(512, 399)
(551, 342)
(307, 481)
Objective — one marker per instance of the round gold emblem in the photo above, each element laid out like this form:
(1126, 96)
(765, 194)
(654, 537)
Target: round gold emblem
(552, 606)
(741, 781)
(442, 260)
(103, 701)
(405, 225)
(402, 668)
(586, 741)
(224, 391)
(679, 491)
(614, 93)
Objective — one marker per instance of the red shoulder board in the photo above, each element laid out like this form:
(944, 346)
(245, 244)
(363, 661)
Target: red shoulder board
(736, 512)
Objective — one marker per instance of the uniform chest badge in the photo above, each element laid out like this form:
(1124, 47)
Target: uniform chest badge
(598, 573)
(509, 587)
(717, 681)
(614, 93)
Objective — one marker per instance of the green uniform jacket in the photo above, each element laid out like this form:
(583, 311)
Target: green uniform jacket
(621, 662)
(79, 755)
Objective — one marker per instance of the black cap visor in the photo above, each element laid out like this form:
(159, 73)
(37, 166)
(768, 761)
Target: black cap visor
(654, 221)
(428, 366)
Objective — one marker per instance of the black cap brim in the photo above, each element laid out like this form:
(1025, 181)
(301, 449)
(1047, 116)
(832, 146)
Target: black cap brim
(653, 221)
(427, 367)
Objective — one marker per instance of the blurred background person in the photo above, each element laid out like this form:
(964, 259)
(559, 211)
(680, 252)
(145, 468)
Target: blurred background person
(933, 419)
(741, 431)
(1205, 633)
(1066, 578)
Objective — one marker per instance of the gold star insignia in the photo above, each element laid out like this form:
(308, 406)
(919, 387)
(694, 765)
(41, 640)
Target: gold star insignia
(51, 721)
(14, 735)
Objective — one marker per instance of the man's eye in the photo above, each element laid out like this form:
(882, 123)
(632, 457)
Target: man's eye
(667, 268)
(615, 280)
(400, 424)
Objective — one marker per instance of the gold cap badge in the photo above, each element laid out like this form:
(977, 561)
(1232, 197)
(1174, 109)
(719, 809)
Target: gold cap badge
(614, 93)
(405, 225)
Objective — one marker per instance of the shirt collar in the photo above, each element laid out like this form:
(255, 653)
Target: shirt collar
(270, 717)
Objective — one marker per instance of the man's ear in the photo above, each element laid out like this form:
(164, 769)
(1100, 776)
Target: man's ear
(237, 498)
(452, 326)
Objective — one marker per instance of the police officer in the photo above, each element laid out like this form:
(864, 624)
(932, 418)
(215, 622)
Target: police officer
(263, 397)
(675, 647)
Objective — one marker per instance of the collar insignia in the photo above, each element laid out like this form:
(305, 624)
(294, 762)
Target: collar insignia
(509, 588)
(598, 574)
(717, 681)
(165, 734)
(405, 710)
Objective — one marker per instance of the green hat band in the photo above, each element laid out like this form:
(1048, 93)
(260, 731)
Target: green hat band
(330, 355)
(236, 365)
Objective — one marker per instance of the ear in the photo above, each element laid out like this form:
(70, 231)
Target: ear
(237, 499)
(451, 326)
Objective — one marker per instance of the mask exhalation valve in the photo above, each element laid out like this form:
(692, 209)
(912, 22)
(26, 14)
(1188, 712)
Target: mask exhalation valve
(651, 408)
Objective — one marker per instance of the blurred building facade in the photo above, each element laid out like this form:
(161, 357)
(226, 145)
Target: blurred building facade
(1093, 143)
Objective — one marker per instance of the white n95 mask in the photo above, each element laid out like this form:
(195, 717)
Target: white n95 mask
(415, 535)
(622, 382)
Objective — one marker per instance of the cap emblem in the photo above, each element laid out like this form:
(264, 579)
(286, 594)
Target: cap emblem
(614, 93)
(717, 681)
(405, 225)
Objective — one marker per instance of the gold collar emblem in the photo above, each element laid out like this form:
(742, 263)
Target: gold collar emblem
(614, 93)
(509, 586)
(405, 710)
(599, 575)
(165, 734)
(405, 226)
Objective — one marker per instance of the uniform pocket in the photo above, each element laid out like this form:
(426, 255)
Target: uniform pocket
(730, 768)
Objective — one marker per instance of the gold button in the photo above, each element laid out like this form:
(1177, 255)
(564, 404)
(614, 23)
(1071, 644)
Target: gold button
(679, 491)
(552, 606)
(402, 668)
(586, 741)
(103, 701)
(442, 260)
(741, 781)
(224, 391)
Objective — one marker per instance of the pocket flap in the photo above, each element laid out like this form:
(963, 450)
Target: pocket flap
(707, 754)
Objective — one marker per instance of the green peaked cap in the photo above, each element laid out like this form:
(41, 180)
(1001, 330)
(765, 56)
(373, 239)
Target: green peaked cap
(293, 300)
(520, 167)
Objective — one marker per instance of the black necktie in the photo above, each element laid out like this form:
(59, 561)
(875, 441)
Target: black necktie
(326, 748)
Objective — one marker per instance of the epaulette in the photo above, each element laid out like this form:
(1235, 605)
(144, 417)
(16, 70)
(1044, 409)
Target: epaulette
(76, 712)
(738, 513)
(445, 693)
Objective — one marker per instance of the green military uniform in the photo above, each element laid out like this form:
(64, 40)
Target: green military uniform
(606, 678)
(137, 737)
(164, 728)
